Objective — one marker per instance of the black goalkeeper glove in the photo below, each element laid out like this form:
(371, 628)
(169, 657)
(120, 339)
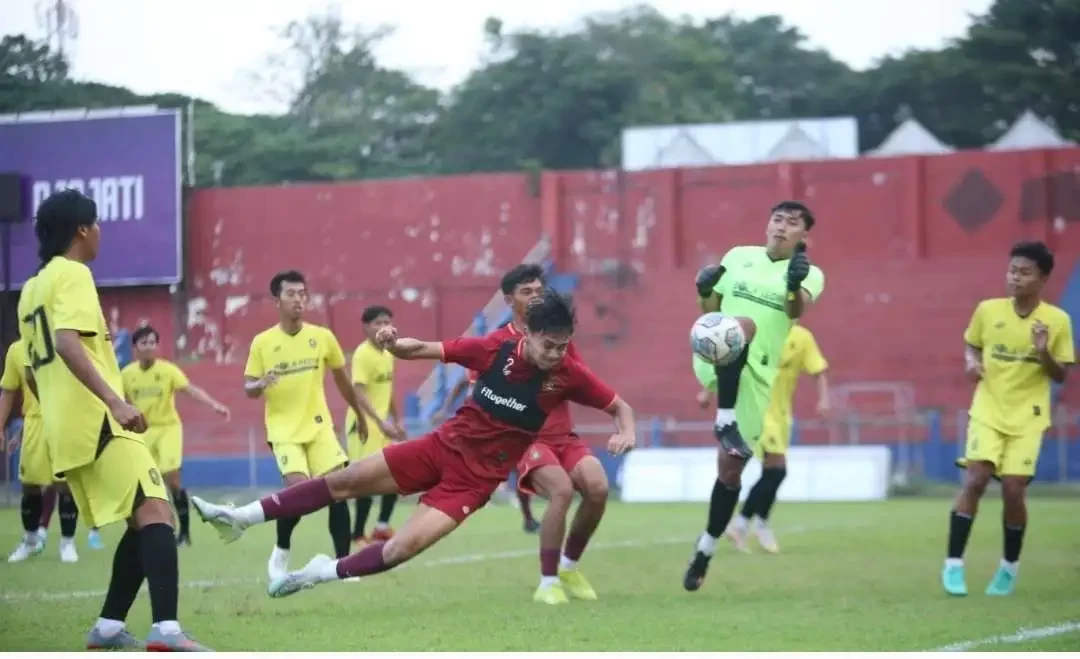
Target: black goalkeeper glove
(798, 268)
(707, 279)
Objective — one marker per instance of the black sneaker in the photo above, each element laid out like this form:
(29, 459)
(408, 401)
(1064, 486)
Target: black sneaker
(695, 572)
(183, 539)
(732, 442)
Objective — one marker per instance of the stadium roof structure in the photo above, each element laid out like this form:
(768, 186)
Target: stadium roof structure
(910, 138)
(1030, 132)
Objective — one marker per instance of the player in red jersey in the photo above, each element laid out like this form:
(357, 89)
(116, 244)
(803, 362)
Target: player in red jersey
(556, 465)
(460, 464)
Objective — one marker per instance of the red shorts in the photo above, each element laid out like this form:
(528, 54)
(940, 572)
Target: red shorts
(564, 451)
(428, 465)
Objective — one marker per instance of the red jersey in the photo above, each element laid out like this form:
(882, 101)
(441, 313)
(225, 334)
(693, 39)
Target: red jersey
(506, 380)
(558, 423)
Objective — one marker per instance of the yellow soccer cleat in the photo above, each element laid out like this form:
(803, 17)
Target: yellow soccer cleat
(575, 583)
(551, 594)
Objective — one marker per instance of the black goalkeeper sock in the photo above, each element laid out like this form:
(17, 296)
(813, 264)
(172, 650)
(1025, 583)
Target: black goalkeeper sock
(126, 579)
(157, 553)
(363, 509)
(771, 478)
(285, 526)
(1014, 542)
(338, 518)
(69, 514)
(959, 531)
(183, 511)
(721, 508)
(386, 508)
(752, 505)
(31, 510)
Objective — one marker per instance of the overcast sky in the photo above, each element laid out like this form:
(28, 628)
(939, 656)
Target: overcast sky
(210, 48)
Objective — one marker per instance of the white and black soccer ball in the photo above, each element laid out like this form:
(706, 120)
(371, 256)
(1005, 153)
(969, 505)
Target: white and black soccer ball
(718, 339)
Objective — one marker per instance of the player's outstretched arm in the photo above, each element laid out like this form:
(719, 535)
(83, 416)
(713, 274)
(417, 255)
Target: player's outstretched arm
(625, 436)
(407, 348)
(70, 349)
(358, 401)
(199, 394)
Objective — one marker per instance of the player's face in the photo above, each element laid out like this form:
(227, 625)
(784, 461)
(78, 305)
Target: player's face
(786, 229)
(546, 350)
(91, 238)
(524, 294)
(372, 328)
(1023, 277)
(146, 348)
(293, 300)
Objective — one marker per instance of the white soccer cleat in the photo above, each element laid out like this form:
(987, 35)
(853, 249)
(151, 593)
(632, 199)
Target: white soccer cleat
(220, 517)
(42, 536)
(67, 551)
(766, 538)
(317, 571)
(29, 547)
(278, 565)
(736, 533)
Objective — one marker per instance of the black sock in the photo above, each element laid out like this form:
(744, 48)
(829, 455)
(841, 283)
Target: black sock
(338, 516)
(959, 531)
(1014, 542)
(126, 579)
(721, 508)
(183, 511)
(752, 505)
(772, 477)
(285, 526)
(363, 508)
(157, 551)
(727, 381)
(386, 508)
(69, 514)
(31, 510)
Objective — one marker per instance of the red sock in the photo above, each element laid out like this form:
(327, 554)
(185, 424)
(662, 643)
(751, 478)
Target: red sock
(365, 562)
(526, 505)
(298, 500)
(549, 562)
(48, 502)
(575, 546)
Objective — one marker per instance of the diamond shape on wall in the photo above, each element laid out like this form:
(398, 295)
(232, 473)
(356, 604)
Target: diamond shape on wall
(973, 201)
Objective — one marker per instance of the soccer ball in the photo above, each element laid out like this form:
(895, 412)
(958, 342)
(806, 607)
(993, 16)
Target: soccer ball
(718, 339)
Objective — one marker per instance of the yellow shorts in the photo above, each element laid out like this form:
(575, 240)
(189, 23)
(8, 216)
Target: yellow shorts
(35, 460)
(1011, 455)
(315, 458)
(166, 444)
(775, 435)
(110, 488)
(376, 441)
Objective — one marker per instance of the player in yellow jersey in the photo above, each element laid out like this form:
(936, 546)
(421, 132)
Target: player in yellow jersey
(286, 366)
(35, 465)
(1014, 347)
(92, 431)
(373, 377)
(800, 355)
(151, 385)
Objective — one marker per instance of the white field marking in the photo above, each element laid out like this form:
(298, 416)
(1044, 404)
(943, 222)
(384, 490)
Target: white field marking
(1019, 636)
(461, 559)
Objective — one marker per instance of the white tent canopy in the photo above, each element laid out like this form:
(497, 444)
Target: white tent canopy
(911, 139)
(1030, 132)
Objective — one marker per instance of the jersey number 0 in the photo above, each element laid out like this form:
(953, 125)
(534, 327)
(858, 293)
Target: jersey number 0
(39, 330)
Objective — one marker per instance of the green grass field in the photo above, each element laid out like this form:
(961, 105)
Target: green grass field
(851, 577)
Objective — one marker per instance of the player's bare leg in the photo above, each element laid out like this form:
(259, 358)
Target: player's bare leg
(591, 482)
(754, 515)
(976, 477)
(183, 507)
(725, 496)
(31, 544)
(337, 522)
(528, 520)
(146, 551)
(1013, 494)
(554, 484)
(424, 528)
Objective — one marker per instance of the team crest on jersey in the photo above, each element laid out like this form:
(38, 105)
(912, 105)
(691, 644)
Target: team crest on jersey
(311, 342)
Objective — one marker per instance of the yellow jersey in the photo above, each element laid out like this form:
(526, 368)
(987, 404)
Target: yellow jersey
(153, 390)
(1013, 396)
(296, 409)
(63, 296)
(14, 378)
(800, 355)
(373, 367)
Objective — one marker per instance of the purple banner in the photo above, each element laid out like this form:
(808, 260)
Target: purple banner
(130, 165)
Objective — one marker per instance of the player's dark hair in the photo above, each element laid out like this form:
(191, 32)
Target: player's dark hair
(142, 333)
(1036, 251)
(796, 207)
(289, 276)
(553, 314)
(58, 220)
(521, 274)
(373, 312)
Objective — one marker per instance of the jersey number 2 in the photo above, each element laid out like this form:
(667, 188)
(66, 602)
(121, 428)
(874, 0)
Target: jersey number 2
(40, 329)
